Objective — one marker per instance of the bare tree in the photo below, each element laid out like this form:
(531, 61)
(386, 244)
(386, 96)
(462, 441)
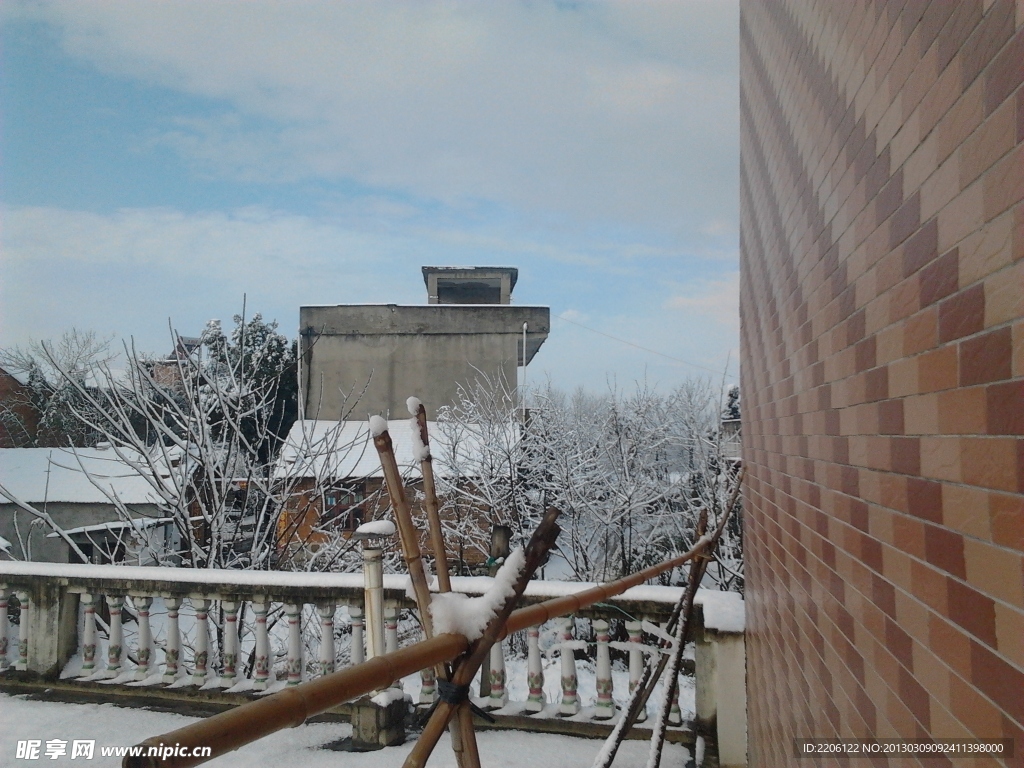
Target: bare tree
(48, 393)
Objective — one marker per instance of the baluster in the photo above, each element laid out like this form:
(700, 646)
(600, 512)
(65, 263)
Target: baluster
(294, 613)
(26, 610)
(89, 635)
(4, 664)
(570, 699)
(261, 671)
(358, 652)
(499, 696)
(428, 685)
(391, 634)
(202, 654)
(116, 638)
(605, 706)
(534, 671)
(326, 611)
(172, 647)
(229, 654)
(675, 716)
(636, 661)
(145, 651)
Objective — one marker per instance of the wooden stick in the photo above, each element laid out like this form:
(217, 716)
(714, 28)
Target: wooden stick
(541, 542)
(463, 735)
(444, 581)
(652, 672)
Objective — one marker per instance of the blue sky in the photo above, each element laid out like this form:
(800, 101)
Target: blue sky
(160, 160)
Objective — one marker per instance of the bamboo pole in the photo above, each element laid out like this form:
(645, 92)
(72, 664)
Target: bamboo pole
(464, 745)
(444, 581)
(290, 707)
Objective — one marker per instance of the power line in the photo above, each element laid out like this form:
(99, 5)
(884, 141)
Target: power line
(637, 346)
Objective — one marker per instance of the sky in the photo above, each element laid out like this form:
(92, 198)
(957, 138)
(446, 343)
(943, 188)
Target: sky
(161, 161)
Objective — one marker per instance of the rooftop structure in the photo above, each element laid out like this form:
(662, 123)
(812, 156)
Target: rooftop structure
(362, 359)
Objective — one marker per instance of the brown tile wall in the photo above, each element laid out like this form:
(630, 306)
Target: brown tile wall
(882, 307)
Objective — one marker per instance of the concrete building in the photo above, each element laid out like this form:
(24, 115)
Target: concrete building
(882, 306)
(380, 354)
(52, 480)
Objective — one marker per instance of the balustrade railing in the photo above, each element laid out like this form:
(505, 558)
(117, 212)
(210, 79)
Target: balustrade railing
(258, 631)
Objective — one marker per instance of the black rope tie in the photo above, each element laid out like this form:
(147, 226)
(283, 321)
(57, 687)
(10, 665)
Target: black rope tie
(454, 695)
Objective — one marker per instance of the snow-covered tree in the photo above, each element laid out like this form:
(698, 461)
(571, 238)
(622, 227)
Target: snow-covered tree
(630, 472)
(204, 428)
(54, 372)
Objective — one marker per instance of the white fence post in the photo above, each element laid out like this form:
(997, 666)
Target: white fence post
(499, 694)
(261, 667)
(534, 671)
(144, 652)
(4, 664)
(115, 644)
(25, 601)
(636, 660)
(294, 612)
(89, 635)
(202, 653)
(570, 704)
(229, 653)
(326, 611)
(357, 653)
(172, 646)
(605, 705)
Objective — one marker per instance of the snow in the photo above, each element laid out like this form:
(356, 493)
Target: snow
(419, 449)
(378, 426)
(38, 475)
(118, 526)
(377, 528)
(469, 616)
(413, 404)
(723, 611)
(303, 746)
(388, 696)
(342, 449)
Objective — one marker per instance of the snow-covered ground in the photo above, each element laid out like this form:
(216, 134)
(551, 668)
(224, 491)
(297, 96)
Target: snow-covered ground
(303, 747)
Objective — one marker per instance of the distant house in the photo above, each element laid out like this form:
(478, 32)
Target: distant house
(19, 420)
(52, 480)
(336, 481)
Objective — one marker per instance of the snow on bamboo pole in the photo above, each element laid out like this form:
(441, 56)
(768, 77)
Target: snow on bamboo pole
(419, 428)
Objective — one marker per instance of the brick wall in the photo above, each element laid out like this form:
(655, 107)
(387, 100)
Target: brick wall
(883, 370)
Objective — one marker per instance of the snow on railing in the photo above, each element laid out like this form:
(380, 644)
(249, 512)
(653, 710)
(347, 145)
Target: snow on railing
(242, 631)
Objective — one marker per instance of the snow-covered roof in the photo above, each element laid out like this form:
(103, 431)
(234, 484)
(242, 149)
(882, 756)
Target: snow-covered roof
(116, 526)
(38, 475)
(342, 449)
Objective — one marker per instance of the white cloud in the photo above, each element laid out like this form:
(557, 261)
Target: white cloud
(717, 300)
(586, 109)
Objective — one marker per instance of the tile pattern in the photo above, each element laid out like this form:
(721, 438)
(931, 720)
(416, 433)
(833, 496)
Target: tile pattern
(882, 306)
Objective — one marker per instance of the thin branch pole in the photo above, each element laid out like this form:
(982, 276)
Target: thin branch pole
(683, 608)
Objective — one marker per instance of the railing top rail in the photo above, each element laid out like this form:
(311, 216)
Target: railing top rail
(646, 600)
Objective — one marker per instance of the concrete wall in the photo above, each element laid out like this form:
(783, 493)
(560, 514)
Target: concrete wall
(66, 515)
(396, 351)
(882, 239)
